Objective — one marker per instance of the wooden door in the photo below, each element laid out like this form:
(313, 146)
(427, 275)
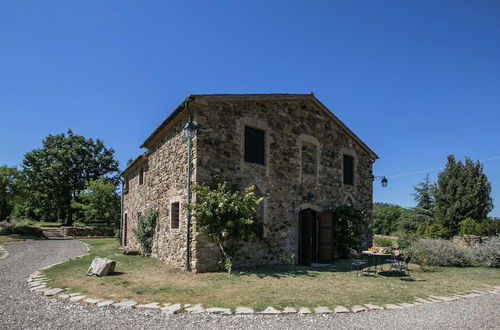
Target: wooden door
(307, 242)
(325, 237)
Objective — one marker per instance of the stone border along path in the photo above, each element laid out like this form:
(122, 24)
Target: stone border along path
(38, 284)
(5, 253)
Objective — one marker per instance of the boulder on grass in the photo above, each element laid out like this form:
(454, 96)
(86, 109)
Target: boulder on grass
(101, 267)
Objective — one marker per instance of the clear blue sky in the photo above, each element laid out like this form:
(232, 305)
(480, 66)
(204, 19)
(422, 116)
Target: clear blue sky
(416, 80)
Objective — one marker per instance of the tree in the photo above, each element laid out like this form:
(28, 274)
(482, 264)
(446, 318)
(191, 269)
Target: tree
(59, 171)
(227, 216)
(462, 191)
(424, 194)
(386, 217)
(11, 190)
(146, 227)
(99, 202)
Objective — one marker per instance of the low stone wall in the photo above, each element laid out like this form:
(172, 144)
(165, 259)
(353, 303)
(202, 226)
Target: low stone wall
(89, 231)
(468, 241)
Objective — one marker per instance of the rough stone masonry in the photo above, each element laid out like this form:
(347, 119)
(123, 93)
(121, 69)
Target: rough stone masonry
(304, 151)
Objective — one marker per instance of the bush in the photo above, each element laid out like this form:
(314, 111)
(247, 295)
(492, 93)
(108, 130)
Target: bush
(433, 230)
(21, 229)
(486, 254)
(350, 224)
(383, 241)
(470, 226)
(146, 226)
(438, 252)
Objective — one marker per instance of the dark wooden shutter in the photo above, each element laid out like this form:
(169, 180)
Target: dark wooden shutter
(175, 216)
(348, 169)
(255, 145)
(325, 234)
(141, 176)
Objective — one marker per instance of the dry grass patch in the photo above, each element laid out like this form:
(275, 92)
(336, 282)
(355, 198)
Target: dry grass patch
(147, 280)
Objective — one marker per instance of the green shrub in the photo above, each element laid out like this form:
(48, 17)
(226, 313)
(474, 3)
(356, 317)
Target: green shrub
(21, 229)
(470, 226)
(433, 230)
(383, 241)
(350, 224)
(438, 252)
(146, 226)
(486, 254)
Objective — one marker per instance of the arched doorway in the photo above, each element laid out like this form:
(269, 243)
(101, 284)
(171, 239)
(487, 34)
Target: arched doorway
(315, 237)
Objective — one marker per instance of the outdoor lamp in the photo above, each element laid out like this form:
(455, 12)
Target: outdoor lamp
(190, 129)
(384, 182)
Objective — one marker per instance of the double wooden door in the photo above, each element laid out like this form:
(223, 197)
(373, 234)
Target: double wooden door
(316, 237)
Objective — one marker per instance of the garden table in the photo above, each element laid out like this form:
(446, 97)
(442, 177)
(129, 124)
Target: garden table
(376, 259)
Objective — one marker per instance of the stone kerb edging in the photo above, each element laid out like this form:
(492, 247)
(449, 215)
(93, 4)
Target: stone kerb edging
(5, 253)
(38, 284)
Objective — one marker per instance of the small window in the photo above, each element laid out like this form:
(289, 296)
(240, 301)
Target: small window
(255, 145)
(174, 214)
(348, 169)
(125, 186)
(141, 176)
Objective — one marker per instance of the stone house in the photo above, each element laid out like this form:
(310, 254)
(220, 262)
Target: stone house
(290, 146)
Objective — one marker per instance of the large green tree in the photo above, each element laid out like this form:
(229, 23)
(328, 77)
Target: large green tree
(462, 191)
(387, 217)
(59, 171)
(11, 190)
(424, 194)
(99, 203)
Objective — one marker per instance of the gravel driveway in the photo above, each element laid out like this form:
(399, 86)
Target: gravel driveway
(21, 309)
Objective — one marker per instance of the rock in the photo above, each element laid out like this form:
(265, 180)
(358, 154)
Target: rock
(36, 283)
(373, 307)
(105, 303)
(153, 305)
(125, 304)
(341, 309)
(101, 267)
(244, 310)
(289, 310)
(76, 298)
(63, 296)
(322, 310)
(92, 301)
(358, 308)
(219, 310)
(39, 287)
(423, 301)
(443, 298)
(172, 309)
(195, 309)
(304, 310)
(392, 306)
(406, 305)
(270, 310)
(52, 292)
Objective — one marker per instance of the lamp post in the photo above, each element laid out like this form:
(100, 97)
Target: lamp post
(189, 132)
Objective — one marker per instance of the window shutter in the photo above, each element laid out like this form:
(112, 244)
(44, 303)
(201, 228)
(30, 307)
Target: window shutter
(174, 224)
(348, 169)
(255, 145)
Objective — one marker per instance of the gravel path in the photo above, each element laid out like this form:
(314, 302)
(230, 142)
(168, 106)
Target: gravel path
(21, 309)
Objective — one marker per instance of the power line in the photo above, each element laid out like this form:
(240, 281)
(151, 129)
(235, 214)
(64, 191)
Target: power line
(434, 169)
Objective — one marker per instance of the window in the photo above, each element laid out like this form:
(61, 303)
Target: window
(141, 176)
(308, 158)
(348, 169)
(125, 188)
(174, 215)
(255, 145)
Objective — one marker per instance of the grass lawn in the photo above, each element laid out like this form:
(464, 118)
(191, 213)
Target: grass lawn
(148, 280)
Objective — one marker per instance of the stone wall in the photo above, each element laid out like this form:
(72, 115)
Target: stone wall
(88, 231)
(468, 241)
(164, 183)
(296, 130)
(303, 169)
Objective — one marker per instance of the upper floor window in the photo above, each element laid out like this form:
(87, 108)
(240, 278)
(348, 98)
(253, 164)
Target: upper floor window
(174, 215)
(141, 175)
(255, 145)
(348, 169)
(125, 186)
